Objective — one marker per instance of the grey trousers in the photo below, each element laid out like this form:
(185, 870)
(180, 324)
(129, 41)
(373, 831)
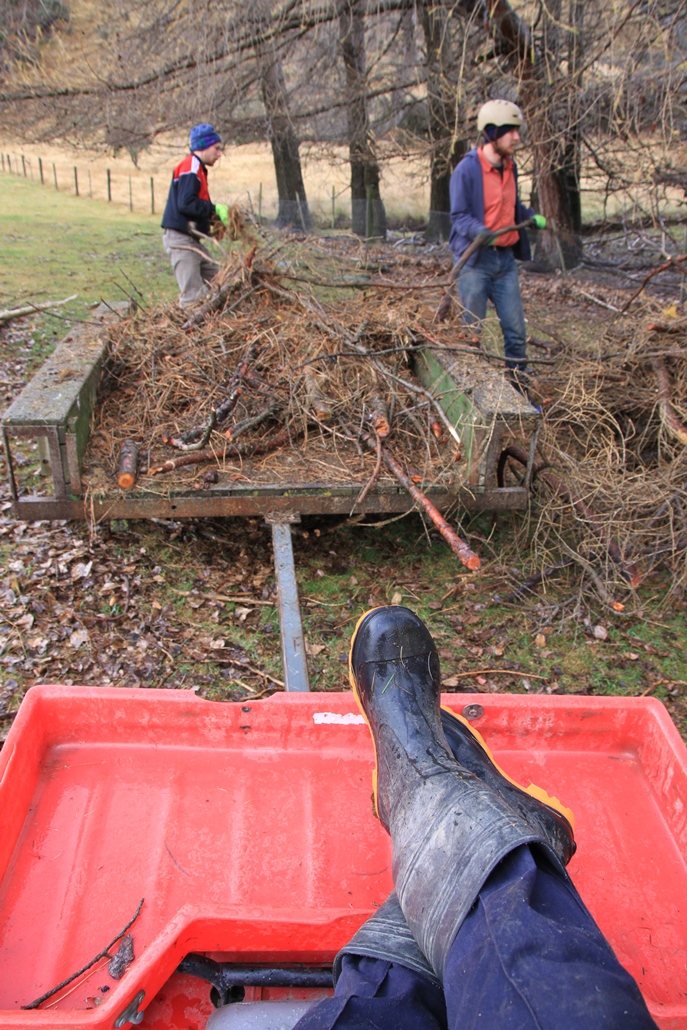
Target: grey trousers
(193, 266)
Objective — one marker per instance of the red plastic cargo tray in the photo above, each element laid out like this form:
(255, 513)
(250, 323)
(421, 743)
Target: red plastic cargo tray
(248, 830)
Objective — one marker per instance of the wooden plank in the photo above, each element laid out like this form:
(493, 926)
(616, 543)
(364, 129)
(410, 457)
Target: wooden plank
(59, 400)
(65, 384)
(482, 405)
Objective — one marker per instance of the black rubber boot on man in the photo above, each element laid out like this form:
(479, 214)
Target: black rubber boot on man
(449, 828)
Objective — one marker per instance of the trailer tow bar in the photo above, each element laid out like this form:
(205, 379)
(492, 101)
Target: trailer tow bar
(290, 625)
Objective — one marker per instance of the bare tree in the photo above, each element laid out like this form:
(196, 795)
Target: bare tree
(444, 114)
(293, 203)
(367, 210)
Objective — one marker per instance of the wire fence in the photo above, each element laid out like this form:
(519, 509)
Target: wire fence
(139, 191)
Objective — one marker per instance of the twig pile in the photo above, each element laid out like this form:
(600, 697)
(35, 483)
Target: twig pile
(298, 370)
(615, 435)
(267, 382)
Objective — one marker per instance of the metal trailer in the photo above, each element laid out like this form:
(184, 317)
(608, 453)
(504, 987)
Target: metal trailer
(56, 407)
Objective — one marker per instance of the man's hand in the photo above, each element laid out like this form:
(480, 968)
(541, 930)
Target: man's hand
(539, 222)
(222, 212)
(486, 236)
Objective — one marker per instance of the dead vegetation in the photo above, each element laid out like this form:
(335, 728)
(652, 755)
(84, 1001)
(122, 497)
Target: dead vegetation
(299, 365)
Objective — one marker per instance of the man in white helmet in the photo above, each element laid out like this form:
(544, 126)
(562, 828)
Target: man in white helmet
(484, 199)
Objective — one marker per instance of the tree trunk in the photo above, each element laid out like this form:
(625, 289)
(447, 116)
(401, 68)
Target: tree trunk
(442, 117)
(367, 209)
(293, 203)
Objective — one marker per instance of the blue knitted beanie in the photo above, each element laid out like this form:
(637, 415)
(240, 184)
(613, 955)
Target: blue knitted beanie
(203, 136)
(492, 132)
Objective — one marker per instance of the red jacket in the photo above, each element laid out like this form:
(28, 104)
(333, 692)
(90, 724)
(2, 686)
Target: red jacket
(189, 199)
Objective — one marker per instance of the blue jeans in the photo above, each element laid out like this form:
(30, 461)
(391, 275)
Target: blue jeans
(494, 277)
(529, 956)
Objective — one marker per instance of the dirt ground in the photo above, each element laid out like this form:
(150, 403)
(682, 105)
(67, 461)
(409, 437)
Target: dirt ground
(193, 605)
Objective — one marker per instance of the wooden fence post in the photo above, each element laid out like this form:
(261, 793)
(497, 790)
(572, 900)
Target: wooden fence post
(23, 164)
(54, 174)
(40, 170)
(76, 182)
(109, 187)
(131, 200)
(152, 196)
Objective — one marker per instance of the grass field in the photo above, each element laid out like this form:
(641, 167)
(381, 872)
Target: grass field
(55, 245)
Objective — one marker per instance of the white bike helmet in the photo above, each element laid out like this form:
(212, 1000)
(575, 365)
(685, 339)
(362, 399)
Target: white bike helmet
(499, 113)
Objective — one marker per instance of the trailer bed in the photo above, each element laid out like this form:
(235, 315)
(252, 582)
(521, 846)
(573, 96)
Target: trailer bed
(247, 829)
(318, 472)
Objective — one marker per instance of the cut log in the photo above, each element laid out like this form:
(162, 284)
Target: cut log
(320, 405)
(380, 416)
(127, 467)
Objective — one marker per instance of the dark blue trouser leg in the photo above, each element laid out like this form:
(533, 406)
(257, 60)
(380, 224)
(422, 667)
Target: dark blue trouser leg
(373, 994)
(529, 956)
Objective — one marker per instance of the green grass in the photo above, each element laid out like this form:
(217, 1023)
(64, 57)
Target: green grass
(55, 245)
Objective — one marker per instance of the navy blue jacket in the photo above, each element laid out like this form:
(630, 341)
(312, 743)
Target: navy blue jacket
(189, 199)
(467, 209)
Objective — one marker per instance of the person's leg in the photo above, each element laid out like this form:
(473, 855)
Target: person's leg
(382, 980)
(466, 883)
(474, 285)
(506, 298)
(529, 956)
(208, 267)
(186, 257)
(374, 994)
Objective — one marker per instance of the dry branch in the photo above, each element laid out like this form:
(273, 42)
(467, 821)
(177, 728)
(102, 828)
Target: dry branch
(273, 443)
(458, 546)
(28, 309)
(668, 414)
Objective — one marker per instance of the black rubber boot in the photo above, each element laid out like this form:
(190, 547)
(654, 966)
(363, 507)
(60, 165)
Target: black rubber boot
(386, 935)
(449, 828)
(554, 822)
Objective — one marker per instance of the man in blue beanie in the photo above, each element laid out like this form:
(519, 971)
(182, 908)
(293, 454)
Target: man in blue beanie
(484, 198)
(189, 213)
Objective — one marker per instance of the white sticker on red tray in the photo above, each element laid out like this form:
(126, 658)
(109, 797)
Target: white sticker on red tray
(348, 719)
